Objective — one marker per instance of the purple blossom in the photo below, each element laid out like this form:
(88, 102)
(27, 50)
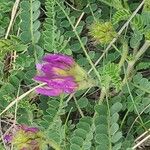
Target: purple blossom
(54, 71)
(8, 138)
(28, 129)
(24, 137)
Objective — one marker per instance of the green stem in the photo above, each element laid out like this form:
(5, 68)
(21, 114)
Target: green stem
(136, 58)
(133, 101)
(78, 107)
(32, 32)
(124, 54)
(102, 96)
(53, 144)
(109, 125)
(82, 45)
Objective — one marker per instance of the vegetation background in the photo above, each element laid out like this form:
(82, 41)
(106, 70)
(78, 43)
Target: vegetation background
(110, 39)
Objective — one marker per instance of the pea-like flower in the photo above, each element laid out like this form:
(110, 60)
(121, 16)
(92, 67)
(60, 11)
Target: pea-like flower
(61, 74)
(24, 137)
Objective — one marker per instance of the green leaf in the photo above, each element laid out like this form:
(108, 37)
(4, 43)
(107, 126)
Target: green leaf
(83, 102)
(101, 109)
(117, 146)
(102, 139)
(116, 108)
(114, 128)
(116, 137)
(74, 147)
(77, 140)
(101, 128)
(114, 118)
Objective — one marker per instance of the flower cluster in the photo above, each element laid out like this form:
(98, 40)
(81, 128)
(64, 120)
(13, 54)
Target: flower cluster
(102, 32)
(24, 138)
(61, 74)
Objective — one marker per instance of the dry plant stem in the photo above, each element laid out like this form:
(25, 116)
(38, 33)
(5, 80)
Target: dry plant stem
(142, 141)
(135, 59)
(142, 135)
(119, 33)
(13, 14)
(14, 10)
(20, 97)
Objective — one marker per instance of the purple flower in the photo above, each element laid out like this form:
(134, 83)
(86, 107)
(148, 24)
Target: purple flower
(56, 71)
(8, 138)
(24, 137)
(28, 129)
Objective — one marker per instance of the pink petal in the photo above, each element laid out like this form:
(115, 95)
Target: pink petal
(8, 138)
(59, 58)
(29, 129)
(39, 66)
(41, 78)
(49, 92)
(67, 84)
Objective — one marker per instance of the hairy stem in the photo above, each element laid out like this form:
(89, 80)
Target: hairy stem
(124, 54)
(135, 59)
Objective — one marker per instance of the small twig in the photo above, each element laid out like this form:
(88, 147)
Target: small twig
(142, 135)
(142, 141)
(14, 10)
(20, 97)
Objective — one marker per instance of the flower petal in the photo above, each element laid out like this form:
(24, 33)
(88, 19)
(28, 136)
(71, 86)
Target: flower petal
(67, 84)
(41, 78)
(29, 129)
(49, 92)
(51, 69)
(8, 138)
(59, 58)
(39, 66)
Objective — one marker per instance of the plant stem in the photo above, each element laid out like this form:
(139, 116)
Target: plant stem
(102, 96)
(78, 107)
(136, 57)
(124, 54)
(81, 43)
(20, 97)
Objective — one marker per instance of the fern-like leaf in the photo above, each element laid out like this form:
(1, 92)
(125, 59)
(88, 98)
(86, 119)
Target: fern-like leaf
(120, 15)
(82, 136)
